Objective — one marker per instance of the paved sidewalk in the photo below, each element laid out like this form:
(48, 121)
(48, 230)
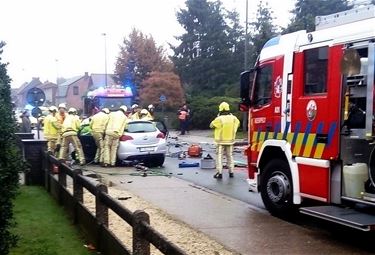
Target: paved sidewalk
(238, 226)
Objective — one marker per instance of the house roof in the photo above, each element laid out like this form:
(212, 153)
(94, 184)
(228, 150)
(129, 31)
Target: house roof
(47, 85)
(35, 82)
(62, 88)
(98, 80)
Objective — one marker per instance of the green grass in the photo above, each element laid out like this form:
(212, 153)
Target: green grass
(43, 227)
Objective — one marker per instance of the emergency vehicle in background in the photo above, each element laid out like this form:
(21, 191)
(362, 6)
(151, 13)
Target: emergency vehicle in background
(109, 97)
(310, 100)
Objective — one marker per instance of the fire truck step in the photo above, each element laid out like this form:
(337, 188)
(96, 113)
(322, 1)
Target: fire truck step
(344, 216)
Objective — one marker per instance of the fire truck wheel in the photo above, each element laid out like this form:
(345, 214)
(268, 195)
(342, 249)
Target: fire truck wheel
(277, 187)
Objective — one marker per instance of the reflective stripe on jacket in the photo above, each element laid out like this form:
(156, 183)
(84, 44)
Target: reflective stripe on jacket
(51, 127)
(116, 124)
(71, 124)
(225, 128)
(99, 122)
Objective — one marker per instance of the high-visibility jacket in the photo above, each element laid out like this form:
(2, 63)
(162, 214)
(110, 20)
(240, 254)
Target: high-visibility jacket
(61, 117)
(70, 125)
(99, 122)
(135, 116)
(116, 124)
(225, 128)
(51, 127)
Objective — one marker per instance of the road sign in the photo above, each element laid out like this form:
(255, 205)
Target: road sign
(35, 97)
(163, 98)
(36, 112)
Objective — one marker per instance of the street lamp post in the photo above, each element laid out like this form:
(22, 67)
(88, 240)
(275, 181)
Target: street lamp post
(246, 35)
(105, 58)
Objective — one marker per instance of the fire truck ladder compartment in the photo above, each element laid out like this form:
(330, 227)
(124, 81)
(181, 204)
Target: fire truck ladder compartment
(345, 216)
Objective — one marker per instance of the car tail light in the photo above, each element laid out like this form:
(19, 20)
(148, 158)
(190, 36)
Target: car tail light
(160, 135)
(125, 138)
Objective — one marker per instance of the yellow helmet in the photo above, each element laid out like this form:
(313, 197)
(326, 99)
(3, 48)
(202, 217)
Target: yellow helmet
(224, 106)
(123, 108)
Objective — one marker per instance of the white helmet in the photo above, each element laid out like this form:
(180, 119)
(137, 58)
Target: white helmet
(135, 106)
(151, 106)
(63, 105)
(144, 112)
(105, 110)
(72, 110)
(123, 108)
(53, 108)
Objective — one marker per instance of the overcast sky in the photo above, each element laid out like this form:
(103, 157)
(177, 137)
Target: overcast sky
(50, 38)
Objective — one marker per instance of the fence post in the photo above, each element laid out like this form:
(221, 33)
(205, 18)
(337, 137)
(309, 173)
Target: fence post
(62, 176)
(140, 245)
(101, 209)
(77, 187)
(46, 170)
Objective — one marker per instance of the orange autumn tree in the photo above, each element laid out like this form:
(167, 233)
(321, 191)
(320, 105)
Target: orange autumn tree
(162, 83)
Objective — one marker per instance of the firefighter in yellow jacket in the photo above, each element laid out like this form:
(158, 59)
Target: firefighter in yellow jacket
(98, 124)
(115, 128)
(51, 129)
(225, 125)
(69, 134)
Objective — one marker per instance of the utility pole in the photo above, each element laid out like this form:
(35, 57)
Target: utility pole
(105, 58)
(57, 71)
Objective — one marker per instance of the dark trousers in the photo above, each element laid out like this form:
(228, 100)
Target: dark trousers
(183, 126)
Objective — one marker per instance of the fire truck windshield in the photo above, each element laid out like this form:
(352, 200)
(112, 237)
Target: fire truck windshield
(112, 103)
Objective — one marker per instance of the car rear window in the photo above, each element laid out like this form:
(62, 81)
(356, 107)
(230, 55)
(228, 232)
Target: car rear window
(140, 127)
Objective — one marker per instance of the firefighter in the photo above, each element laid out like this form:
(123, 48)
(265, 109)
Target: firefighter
(51, 129)
(98, 124)
(60, 119)
(225, 125)
(145, 115)
(69, 134)
(115, 128)
(135, 114)
(151, 110)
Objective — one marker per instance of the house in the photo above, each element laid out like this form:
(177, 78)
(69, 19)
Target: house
(22, 91)
(49, 89)
(73, 90)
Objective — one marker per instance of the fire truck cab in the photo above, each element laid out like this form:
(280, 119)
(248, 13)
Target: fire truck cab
(310, 100)
(109, 97)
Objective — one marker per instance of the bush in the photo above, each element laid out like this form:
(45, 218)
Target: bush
(10, 161)
(204, 110)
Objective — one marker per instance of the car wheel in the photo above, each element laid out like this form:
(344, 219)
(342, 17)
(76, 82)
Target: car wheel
(277, 188)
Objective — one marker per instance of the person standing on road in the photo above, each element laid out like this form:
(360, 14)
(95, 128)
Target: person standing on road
(26, 123)
(60, 118)
(115, 128)
(183, 116)
(151, 111)
(98, 124)
(51, 129)
(69, 135)
(135, 114)
(225, 125)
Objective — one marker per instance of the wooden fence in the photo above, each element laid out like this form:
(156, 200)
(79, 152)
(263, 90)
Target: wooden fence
(95, 227)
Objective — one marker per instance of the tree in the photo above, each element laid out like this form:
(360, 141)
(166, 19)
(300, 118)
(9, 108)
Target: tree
(263, 30)
(305, 12)
(10, 160)
(138, 57)
(162, 83)
(204, 57)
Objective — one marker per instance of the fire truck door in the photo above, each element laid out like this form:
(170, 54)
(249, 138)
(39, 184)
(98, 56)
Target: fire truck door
(316, 102)
(265, 104)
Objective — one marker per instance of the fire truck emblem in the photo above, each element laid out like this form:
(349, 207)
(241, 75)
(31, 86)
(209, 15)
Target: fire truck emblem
(277, 86)
(311, 110)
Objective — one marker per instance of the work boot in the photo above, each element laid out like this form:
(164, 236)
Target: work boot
(218, 176)
(231, 175)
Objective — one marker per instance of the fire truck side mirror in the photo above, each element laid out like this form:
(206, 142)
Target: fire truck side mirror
(245, 90)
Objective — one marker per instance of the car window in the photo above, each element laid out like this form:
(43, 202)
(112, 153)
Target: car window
(140, 127)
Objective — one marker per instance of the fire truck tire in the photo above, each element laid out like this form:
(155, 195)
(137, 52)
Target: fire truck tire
(277, 188)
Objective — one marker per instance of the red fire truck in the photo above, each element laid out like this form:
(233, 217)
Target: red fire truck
(310, 99)
(110, 97)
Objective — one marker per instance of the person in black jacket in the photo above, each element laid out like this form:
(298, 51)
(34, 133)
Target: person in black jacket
(26, 123)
